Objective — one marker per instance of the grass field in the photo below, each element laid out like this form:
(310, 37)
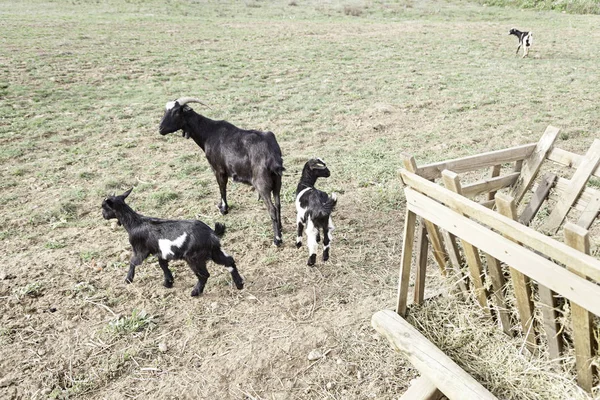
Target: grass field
(83, 86)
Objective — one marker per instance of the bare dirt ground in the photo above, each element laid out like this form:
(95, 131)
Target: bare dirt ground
(83, 86)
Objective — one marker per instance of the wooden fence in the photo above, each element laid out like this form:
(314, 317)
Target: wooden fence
(478, 236)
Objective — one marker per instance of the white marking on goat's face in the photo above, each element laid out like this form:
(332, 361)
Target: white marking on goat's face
(165, 245)
(170, 105)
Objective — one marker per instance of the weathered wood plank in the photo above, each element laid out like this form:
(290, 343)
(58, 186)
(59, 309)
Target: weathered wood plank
(582, 263)
(544, 271)
(433, 363)
(498, 282)
(550, 322)
(455, 265)
(458, 165)
(590, 213)
(521, 284)
(531, 165)
(494, 173)
(583, 337)
(407, 251)
(578, 181)
(422, 389)
(568, 159)
(539, 196)
(562, 185)
(489, 185)
(452, 182)
(422, 247)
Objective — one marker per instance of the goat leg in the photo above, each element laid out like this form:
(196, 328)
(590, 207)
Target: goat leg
(199, 268)
(164, 264)
(299, 236)
(222, 181)
(135, 261)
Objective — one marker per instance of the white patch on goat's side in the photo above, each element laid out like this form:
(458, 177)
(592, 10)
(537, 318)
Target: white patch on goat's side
(301, 211)
(170, 104)
(166, 244)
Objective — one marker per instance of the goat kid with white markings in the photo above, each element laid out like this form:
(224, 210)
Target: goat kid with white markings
(525, 40)
(189, 240)
(314, 209)
(247, 156)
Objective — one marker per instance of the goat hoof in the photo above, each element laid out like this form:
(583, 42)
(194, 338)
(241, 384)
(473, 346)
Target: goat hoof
(277, 242)
(318, 238)
(222, 210)
(325, 257)
(298, 245)
(239, 286)
(128, 281)
(168, 284)
(196, 292)
(311, 260)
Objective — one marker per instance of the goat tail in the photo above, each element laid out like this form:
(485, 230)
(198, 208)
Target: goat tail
(327, 208)
(219, 229)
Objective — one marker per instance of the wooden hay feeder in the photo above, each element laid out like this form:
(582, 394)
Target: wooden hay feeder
(458, 227)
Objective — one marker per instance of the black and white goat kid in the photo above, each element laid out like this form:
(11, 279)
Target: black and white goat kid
(314, 209)
(248, 156)
(525, 40)
(189, 240)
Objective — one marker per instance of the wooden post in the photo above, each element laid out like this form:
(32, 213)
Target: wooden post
(506, 206)
(498, 282)
(455, 265)
(589, 214)
(538, 198)
(494, 173)
(422, 247)
(407, 250)
(452, 182)
(444, 373)
(583, 337)
(578, 181)
(432, 231)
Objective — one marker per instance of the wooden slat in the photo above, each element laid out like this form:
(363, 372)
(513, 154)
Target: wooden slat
(569, 159)
(455, 265)
(422, 389)
(539, 196)
(458, 165)
(538, 268)
(498, 282)
(422, 247)
(489, 185)
(558, 251)
(407, 250)
(494, 173)
(583, 338)
(550, 324)
(562, 185)
(433, 363)
(432, 232)
(589, 214)
(522, 287)
(578, 181)
(531, 164)
(452, 182)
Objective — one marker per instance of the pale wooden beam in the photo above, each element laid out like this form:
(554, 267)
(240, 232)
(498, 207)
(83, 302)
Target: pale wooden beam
(569, 159)
(422, 247)
(589, 214)
(445, 374)
(494, 173)
(578, 181)
(489, 185)
(405, 264)
(422, 389)
(583, 337)
(452, 182)
(539, 196)
(521, 284)
(484, 160)
(531, 165)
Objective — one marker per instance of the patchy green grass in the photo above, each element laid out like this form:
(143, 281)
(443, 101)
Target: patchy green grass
(83, 86)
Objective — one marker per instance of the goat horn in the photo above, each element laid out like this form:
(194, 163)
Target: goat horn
(184, 100)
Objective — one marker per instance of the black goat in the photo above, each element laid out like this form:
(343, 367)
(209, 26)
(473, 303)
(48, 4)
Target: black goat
(525, 40)
(314, 209)
(247, 156)
(191, 240)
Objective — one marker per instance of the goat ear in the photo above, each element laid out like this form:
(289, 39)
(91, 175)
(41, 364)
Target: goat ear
(124, 195)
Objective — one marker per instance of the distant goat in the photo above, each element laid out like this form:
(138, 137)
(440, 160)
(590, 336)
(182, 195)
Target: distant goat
(191, 240)
(525, 40)
(314, 209)
(247, 156)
